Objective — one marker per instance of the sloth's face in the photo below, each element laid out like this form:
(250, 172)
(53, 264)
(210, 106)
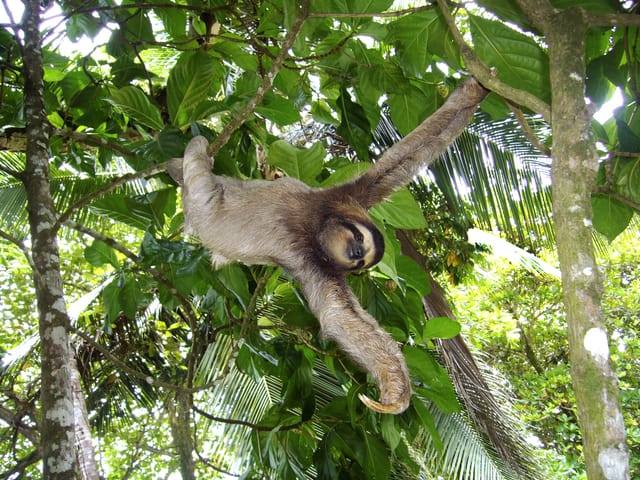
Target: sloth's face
(352, 246)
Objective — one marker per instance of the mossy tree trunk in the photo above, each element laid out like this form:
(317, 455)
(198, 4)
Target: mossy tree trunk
(575, 163)
(57, 412)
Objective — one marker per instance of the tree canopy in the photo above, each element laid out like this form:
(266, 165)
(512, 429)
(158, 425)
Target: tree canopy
(116, 325)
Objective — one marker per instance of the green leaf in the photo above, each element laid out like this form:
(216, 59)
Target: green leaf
(400, 211)
(99, 253)
(377, 464)
(323, 460)
(437, 385)
(410, 35)
(414, 276)
(302, 163)
(279, 110)
(140, 211)
(349, 442)
(610, 216)
(354, 126)
(390, 431)
(519, 60)
(441, 327)
(188, 86)
(428, 422)
(410, 107)
(626, 177)
(417, 37)
(234, 279)
(346, 173)
(135, 103)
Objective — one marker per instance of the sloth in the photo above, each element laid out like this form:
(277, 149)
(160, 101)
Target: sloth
(319, 235)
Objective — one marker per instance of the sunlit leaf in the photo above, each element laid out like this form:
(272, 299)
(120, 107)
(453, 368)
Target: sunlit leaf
(137, 105)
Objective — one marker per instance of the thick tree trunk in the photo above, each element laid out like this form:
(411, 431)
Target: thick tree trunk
(57, 426)
(575, 163)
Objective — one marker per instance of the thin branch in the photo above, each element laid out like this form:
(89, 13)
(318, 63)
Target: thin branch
(486, 76)
(94, 140)
(244, 423)
(604, 190)
(267, 82)
(527, 130)
(104, 239)
(25, 251)
(155, 273)
(22, 464)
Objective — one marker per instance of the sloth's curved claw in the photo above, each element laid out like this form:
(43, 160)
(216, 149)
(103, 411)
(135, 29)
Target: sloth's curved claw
(395, 391)
(392, 408)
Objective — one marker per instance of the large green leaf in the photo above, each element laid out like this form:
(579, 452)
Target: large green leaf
(140, 211)
(354, 126)
(441, 327)
(437, 385)
(278, 109)
(519, 60)
(99, 253)
(188, 86)
(135, 103)
(419, 36)
(410, 107)
(610, 216)
(400, 211)
(303, 164)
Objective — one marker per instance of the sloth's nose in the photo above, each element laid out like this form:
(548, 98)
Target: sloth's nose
(356, 252)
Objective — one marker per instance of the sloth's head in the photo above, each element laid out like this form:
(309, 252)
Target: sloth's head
(351, 244)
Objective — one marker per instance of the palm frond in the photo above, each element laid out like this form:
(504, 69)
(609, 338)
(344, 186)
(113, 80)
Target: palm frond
(494, 177)
(239, 399)
(68, 185)
(513, 253)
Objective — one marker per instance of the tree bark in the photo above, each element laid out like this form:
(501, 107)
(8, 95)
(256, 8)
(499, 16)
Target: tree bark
(575, 163)
(179, 410)
(57, 426)
(86, 454)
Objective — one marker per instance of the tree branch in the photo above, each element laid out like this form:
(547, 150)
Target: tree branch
(527, 130)
(594, 19)
(605, 190)
(265, 86)
(486, 76)
(253, 426)
(94, 140)
(155, 273)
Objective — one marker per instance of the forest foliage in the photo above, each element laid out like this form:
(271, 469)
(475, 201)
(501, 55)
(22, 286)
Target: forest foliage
(233, 356)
